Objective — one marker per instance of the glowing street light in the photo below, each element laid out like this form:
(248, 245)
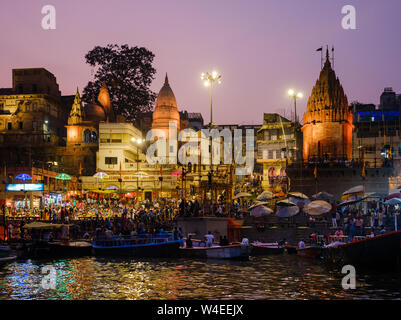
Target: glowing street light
(208, 80)
(137, 140)
(294, 95)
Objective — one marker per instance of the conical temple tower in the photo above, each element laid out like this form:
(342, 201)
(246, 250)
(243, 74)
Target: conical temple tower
(104, 99)
(76, 111)
(166, 109)
(327, 123)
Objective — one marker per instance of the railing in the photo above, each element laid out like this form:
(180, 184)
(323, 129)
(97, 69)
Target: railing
(133, 240)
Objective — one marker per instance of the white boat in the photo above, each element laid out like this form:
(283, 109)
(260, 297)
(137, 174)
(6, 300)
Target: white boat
(200, 251)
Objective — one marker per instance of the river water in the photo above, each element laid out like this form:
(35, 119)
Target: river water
(274, 277)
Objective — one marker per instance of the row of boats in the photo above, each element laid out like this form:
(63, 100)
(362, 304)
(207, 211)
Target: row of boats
(382, 252)
(137, 246)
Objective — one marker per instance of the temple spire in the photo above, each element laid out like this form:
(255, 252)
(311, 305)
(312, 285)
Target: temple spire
(166, 80)
(76, 110)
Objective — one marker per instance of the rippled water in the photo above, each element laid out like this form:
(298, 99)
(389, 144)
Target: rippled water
(275, 277)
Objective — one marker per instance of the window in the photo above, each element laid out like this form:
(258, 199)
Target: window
(34, 125)
(87, 135)
(9, 126)
(20, 125)
(93, 136)
(110, 160)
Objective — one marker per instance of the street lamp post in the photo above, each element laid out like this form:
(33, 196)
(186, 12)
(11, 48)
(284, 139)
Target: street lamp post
(138, 142)
(208, 80)
(294, 95)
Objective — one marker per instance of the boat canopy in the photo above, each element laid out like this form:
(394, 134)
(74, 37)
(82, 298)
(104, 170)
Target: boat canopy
(42, 225)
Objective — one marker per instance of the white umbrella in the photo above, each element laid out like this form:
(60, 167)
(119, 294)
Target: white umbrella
(258, 204)
(317, 208)
(260, 211)
(287, 211)
(394, 191)
(353, 199)
(299, 202)
(323, 196)
(286, 203)
(393, 201)
(265, 195)
(357, 189)
(242, 195)
(298, 195)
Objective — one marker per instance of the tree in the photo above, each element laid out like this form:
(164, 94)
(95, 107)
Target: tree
(128, 73)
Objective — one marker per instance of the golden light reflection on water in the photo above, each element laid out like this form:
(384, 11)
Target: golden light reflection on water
(278, 277)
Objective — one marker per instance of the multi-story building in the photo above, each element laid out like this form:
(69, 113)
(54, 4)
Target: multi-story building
(377, 134)
(32, 117)
(277, 142)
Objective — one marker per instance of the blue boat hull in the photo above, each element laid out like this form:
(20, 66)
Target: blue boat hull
(150, 250)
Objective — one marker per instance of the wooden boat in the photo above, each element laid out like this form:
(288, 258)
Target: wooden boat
(199, 250)
(309, 252)
(291, 249)
(265, 249)
(71, 248)
(152, 246)
(28, 249)
(382, 252)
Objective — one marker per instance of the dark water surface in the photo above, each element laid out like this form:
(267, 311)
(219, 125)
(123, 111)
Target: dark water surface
(275, 277)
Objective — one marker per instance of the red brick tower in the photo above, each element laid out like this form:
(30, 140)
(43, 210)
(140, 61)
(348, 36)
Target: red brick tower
(327, 123)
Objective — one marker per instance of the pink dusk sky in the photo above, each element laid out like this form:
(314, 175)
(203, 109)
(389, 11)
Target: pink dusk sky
(261, 47)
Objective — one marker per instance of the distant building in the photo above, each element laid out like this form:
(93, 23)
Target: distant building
(377, 135)
(389, 100)
(193, 120)
(32, 117)
(277, 142)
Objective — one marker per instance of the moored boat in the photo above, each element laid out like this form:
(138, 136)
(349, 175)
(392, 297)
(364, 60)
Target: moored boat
(291, 249)
(79, 248)
(152, 246)
(309, 252)
(382, 252)
(199, 250)
(264, 249)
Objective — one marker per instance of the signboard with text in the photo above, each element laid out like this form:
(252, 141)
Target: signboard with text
(24, 187)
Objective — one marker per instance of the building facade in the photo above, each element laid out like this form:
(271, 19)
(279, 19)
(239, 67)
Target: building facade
(277, 142)
(32, 118)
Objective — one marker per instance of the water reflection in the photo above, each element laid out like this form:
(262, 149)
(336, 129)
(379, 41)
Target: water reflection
(276, 277)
